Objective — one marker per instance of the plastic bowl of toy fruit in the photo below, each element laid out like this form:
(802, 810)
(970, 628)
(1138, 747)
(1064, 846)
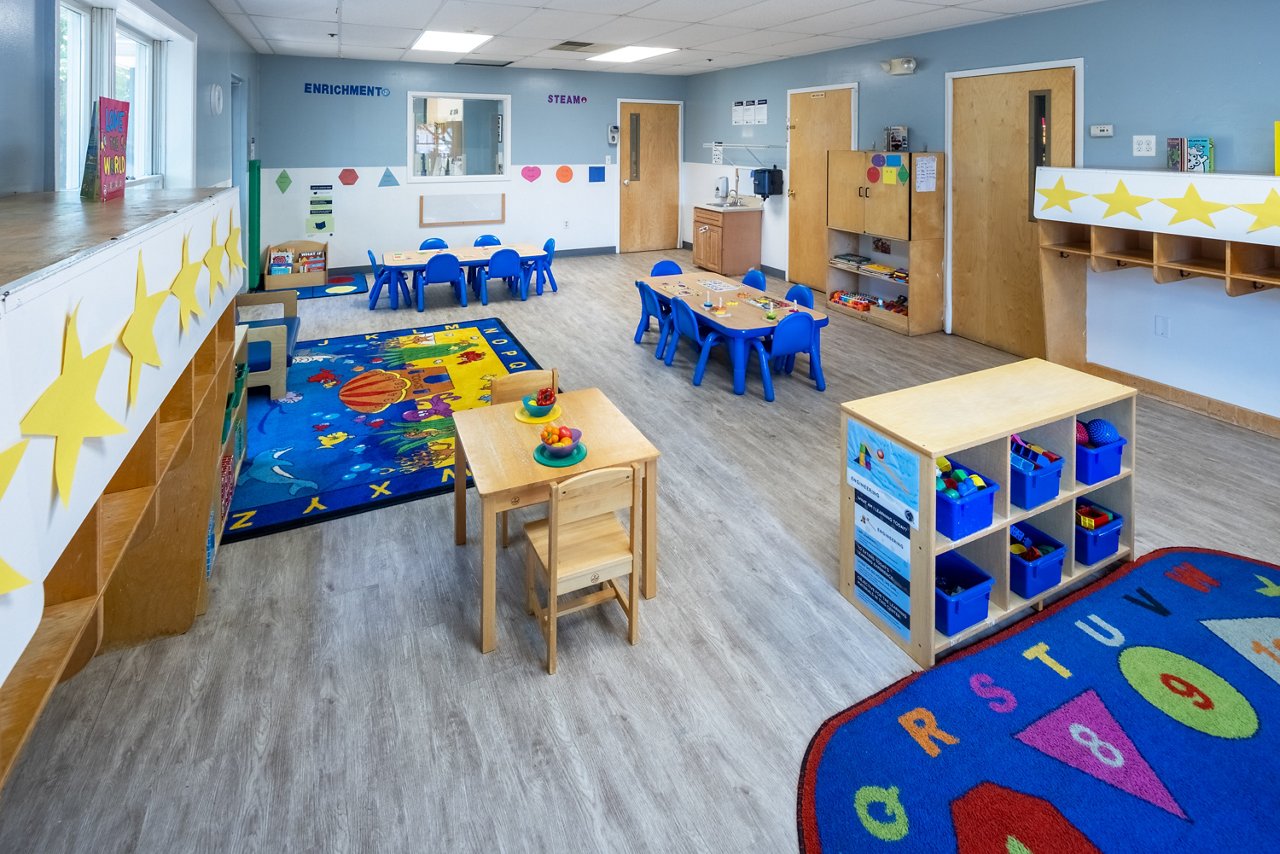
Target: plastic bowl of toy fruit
(531, 406)
(560, 442)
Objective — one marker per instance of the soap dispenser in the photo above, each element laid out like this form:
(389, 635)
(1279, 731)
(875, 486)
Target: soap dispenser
(722, 188)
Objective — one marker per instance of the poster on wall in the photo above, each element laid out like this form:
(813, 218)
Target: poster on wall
(104, 160)
(762, 111)
(886, 480)
(320, 209)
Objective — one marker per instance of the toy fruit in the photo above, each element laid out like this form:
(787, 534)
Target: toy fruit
(536, 409)
(546, 396)
(560, 442)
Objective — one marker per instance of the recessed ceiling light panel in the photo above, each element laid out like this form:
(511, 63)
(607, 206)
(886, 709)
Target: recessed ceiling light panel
(631, 53)
(449, 42)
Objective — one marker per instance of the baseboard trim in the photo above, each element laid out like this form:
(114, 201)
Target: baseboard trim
(588, 250)
(1250, 419)
(686, 245)
(773, 271)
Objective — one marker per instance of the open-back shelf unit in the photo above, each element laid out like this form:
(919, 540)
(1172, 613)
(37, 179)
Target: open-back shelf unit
(137, 566)
(969, 420)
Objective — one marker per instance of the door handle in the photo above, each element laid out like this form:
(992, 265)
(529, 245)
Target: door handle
(791, 194)
(626, 182)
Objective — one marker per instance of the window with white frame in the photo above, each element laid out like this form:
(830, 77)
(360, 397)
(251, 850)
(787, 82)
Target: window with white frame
(136, 83)
(458, 136)
(72, 112)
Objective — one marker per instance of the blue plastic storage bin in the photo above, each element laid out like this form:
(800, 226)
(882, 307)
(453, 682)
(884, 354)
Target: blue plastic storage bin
(956, 613)
(960, 517)
(1100, 543)
(1031, 578)
(1098, 464)
(1031, 489)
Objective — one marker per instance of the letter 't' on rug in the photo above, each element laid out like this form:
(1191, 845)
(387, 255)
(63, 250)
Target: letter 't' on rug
(1139, 714)
(367, 421)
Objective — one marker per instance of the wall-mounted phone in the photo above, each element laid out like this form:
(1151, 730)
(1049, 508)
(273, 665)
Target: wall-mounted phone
(613, 134)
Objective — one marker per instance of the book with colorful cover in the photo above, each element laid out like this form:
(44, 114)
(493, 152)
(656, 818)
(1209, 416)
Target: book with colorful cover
(1199, 154)
(1176, 154)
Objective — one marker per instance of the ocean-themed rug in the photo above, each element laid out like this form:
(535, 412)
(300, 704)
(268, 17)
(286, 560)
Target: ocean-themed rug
(367, 421)
(1135, 715)
(337, 285)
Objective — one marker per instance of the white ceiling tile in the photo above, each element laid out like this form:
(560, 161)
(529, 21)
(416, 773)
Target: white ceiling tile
(294, 30)
(697, 35)
(412, 14)
(456, 16)
(607, 7)
(305, 48)
(306, 10)
(363, 36)
(776, 14)
(689, 12)
(555, 24)
(243, 25)
(432, 56)
(260, 45)
(752, 41)
(817, 44)
(227, 7)
(388, 54)
(622, 31)
(861, 15)
(509, 46)
(939, 19)
(1009, 7)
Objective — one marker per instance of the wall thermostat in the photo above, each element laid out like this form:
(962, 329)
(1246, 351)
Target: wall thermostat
(613, 134)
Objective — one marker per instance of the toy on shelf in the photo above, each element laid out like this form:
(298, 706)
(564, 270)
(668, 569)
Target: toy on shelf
(1102, 456)
(865, 302)
(1024, 545)
(960, 512)
(1101, 432)
(1091, 516)
(1035, 473)
(1082, 433)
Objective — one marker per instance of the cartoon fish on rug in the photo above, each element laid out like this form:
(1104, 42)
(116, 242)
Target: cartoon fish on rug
(307, 358)
(271, 468)
(331, 439)
(470, 356)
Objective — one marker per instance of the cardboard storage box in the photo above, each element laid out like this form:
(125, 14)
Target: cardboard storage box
(299, 277)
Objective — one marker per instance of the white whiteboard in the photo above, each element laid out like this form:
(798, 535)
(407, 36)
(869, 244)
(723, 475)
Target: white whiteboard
(474, 209)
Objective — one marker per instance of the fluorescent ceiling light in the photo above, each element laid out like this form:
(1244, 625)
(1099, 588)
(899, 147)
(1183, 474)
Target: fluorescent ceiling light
(631, 53)
(450, 42)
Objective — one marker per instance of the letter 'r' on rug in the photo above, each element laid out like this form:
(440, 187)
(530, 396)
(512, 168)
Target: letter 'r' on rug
(367, 421)
(1141, 713)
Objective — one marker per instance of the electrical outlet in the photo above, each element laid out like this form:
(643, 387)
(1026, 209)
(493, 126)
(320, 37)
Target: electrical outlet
(566, 223)
(1162, 326)
(1102, 130)
(1144, 146)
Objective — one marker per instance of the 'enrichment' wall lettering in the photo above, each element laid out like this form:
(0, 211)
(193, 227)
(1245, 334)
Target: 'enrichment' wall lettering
(345, 89)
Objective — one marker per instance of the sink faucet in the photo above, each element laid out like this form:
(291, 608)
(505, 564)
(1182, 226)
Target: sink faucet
(732, 200)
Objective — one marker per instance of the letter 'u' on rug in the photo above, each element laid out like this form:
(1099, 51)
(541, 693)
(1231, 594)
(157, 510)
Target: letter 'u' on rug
(1142, 713)
(367, 421)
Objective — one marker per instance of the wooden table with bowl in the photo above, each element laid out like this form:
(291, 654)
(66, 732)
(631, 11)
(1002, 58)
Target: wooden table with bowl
(497, 443)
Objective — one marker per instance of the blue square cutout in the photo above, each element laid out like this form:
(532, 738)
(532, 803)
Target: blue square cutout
(595, 174)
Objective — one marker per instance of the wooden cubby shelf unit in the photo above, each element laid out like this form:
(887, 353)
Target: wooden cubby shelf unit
(969, 420)
(135, 568)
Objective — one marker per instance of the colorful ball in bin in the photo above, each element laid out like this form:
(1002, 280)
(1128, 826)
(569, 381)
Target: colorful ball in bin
(1102, 432)
(1082, 433)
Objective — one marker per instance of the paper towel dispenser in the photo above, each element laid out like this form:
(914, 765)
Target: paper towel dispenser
(767, 182)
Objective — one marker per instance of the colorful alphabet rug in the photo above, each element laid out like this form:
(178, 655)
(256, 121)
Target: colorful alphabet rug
(1135, 715)
(337, 285)
(367, 421)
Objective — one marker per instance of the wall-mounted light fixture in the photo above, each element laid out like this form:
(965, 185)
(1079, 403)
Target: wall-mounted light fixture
(899, 65)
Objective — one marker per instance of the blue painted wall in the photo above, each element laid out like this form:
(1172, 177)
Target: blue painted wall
(310, 130)
(27, 62)
(1163, 67)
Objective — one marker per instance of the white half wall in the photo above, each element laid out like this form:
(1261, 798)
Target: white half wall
(698, 186)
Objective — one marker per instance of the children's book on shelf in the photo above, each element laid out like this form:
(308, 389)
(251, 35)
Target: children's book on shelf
(1176, 154)
(1199, 154)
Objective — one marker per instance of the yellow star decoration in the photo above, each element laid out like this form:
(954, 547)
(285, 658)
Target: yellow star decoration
(10, 578)
(213, 260)
(184, 288)
(1265, 214)
(1058, 196)
(233, 248)
(139, 336)
(1122, 201)
(68, 409)
(1191, 206)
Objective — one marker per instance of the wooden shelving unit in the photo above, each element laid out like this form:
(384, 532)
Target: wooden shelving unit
(969, 420)
(860, 210)
(135, 568)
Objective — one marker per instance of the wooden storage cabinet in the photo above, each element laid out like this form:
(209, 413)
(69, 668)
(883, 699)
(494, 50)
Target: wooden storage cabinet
(726, 242)
(969, 419)
(856, 204)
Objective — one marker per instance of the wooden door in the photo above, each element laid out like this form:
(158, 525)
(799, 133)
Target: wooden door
(995, 267)
(819, 122)
(846, 178)
(649, 161)
(887, 199)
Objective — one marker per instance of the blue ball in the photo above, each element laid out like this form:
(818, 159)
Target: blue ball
(1102, 432)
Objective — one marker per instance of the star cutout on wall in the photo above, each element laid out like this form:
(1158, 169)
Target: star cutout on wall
(11, 579)
(213, 260)
(1058, 196)
(139, 336)
(184, 288)
(1191, 206)
(1122, 201)
(1266, 214)
(68, 409)
(9, 459)
(233, 247)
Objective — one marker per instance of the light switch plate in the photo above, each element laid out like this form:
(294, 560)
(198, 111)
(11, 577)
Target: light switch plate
(1102, 130)
(1144, 146)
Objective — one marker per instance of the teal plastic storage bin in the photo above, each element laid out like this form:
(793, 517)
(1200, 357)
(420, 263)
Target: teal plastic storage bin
(956, 612)
(1031, 578)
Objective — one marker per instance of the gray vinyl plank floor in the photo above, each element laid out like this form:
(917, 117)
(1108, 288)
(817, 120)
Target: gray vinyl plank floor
(334, 699)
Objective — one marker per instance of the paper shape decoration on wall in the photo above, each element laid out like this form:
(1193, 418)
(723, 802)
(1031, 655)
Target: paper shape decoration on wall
(1189, 206)
(10, 579)
(139, 336)
(1058, 196)
(1265, 214)
(564, 174)
(184, 288)
(1122, 201)
(213, 260)
(595, 174)
(348, 177)
(388, 180)
(283, 181)
(531, 173)
(68, 409)
(234, 259)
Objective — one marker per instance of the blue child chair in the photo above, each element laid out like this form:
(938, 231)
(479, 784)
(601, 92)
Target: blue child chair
(384, 276)
(666, 268)
(684, 324)
(755, 279)
(651, 308)
(801, 295)
(433, 243)
(488, 240)
(539, 269)
(794, 334)
(442, 268)
(504, 264)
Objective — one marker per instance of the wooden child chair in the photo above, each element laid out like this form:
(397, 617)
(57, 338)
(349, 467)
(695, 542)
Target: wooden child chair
(512, 388)
(582, 544)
